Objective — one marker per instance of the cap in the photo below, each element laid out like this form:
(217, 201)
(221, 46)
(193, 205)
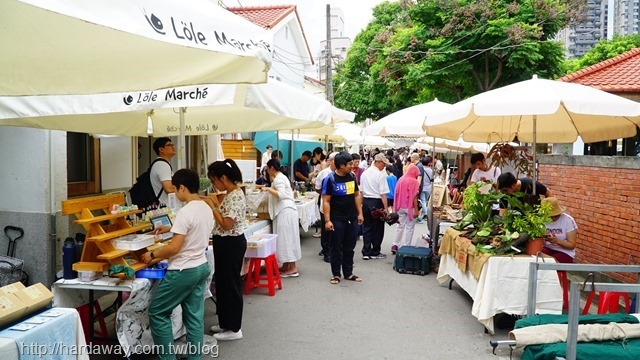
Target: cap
(382, 157)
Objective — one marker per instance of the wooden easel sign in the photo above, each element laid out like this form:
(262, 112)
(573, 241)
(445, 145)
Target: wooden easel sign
(438, 195)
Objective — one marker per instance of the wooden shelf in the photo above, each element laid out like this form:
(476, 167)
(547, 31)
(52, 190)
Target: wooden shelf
(102, 218)
(121, 232)
(98, 254)
(113, 254)
(91, 266)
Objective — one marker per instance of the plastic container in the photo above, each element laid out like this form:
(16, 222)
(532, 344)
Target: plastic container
(133, 242)
(87, 276)
(260, 246)
(156, 271)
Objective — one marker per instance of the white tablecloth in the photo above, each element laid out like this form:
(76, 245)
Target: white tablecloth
(61, 337)
(132, 318)
(503, 287)
(308, 210)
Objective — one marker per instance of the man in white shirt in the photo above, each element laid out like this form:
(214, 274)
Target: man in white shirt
(160, 173)
(374, 189)
(325, 240)
(483, 172)
(266, 156)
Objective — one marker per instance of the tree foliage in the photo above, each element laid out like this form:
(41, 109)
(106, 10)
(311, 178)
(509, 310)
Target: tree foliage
(413, 52)
(604, 49)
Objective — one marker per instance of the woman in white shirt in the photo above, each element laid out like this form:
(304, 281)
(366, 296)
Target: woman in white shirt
(284, 214)
(562, 230)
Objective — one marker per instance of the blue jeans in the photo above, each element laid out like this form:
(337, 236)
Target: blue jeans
(424, 197)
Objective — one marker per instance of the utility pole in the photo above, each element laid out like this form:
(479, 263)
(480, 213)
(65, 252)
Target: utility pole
(329, 78)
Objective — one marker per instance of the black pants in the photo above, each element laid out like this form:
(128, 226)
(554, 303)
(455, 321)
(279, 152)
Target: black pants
(343, 243)
(373, 229)
(325, 237)
(228, 254)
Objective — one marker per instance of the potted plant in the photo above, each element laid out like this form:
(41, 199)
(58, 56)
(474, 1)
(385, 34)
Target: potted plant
(479, 201)
(526, 218)
(205, 184)
(503, 154)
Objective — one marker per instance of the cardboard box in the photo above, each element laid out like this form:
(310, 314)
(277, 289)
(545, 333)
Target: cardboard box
(11, 309)
(11, 288)
(35, 297)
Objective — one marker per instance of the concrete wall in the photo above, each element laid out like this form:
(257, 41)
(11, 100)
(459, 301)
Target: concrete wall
(27, 199)
(287, 65)
(602, 193)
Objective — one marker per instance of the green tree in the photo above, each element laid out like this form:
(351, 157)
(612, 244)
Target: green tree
(450, 49)
(604, 49)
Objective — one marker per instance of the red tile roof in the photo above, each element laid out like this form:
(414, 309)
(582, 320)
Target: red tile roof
(269, 16)
(264, 16)
(620, 74)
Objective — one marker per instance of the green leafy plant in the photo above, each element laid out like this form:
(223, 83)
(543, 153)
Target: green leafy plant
(503, 154)
(526, 218)
(204, 183)
(478, 202)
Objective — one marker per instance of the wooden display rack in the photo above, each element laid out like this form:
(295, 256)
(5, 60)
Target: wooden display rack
(98, 252)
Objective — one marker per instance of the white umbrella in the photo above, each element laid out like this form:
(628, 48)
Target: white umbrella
(206, 109)
(538, 109)
(406, 122)
(458, 145)
(561, 111)
(97, 46)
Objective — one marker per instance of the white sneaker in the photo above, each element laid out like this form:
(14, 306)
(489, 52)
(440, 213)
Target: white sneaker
(217, 329)
(228, 335)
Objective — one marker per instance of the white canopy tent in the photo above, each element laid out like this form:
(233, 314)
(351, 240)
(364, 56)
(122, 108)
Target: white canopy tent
(86, 47)
(207, 109)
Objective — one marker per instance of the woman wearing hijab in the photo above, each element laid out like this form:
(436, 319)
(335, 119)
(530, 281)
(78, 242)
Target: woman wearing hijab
(405, 203)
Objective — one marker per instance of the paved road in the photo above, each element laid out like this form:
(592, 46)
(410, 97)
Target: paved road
(387, 316)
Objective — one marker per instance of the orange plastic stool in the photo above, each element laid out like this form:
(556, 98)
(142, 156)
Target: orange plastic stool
(608, 302)
(269, 281)
(562, 276)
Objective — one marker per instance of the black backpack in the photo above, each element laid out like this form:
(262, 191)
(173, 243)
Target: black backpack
(142, 193)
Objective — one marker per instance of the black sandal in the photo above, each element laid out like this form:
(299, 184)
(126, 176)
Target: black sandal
(353, 278)
(335, 280)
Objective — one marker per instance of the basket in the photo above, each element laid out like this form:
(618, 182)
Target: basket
(156, 271)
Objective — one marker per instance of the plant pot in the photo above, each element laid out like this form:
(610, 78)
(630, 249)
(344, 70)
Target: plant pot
(534, 246)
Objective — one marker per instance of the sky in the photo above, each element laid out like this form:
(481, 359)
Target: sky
(357, 14)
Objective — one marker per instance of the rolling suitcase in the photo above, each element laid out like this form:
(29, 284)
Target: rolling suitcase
(413, 260)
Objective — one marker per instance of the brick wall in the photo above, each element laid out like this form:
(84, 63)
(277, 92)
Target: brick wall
(603, 195)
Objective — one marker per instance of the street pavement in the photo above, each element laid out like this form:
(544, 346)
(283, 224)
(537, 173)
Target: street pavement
(387, 316)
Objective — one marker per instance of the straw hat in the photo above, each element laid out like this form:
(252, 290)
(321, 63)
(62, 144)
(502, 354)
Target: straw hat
(556, 209)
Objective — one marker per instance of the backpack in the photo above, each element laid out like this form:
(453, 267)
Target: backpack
(142, 193)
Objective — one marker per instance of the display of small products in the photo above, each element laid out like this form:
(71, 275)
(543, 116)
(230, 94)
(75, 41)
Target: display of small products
(121, 209)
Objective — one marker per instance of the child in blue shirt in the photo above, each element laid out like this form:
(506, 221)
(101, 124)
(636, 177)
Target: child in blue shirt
(391, 181)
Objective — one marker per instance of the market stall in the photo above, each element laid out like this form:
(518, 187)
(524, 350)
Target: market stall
(497, 284)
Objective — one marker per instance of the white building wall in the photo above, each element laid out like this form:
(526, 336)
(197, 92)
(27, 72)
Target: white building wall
(32, 183)
(287, 65)
(116, 163)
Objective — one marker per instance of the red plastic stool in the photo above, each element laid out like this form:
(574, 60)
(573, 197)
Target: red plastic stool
(562, 276)
(83, 311)
(269, 281)
(608, 302)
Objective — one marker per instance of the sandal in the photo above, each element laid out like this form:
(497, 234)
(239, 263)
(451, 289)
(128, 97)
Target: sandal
(353, 278)
(335, 280)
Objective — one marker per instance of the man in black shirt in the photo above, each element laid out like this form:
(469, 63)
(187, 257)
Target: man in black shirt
(508, 184)
(342, 207)
(301, 167)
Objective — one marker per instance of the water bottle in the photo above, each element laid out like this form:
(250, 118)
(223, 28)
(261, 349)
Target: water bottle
(79, 245)
(69, 257)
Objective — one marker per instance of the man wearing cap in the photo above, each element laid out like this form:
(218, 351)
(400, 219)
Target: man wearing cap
(374, 189)
(325, 241)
